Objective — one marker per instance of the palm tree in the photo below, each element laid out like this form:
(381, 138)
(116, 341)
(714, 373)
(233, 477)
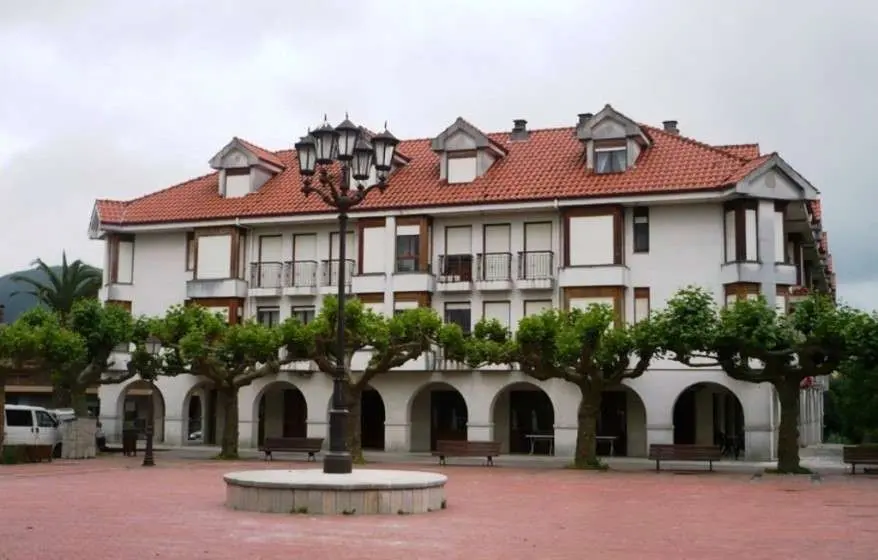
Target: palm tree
(58, 288)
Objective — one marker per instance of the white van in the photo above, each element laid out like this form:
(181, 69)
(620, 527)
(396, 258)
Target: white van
(32, 425)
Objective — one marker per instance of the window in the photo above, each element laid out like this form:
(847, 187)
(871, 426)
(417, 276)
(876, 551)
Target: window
(610, 160)
(641, 229)
(372, 249)
(408, 248)
(781, 254)
(742, 231)
(304, 314)
(459, 314)
(121, 259)
(462, 167)
(268, 316)
(19, 418)
(536, 306)
(499, 310)
(45, 420)
(400, 306)
(190, 250)
(740, 292)
(641, 304)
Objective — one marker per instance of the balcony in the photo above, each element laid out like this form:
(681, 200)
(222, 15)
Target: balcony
(300, 278)
(494, 271)
(785, 274)
(410, 276)
(216, 288)
(536, 270)
(369, 283)
(750, 272)
(117, 292)
(594, 275)
(455, 273)
(329, 274)
(266, 278)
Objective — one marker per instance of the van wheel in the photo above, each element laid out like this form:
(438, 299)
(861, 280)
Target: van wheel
(56, 452)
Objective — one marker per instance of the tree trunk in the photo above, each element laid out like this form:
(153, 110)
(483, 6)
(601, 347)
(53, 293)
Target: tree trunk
(788, 431)
(353, 400)
(229, 441)
(586, 429)
(79, 401)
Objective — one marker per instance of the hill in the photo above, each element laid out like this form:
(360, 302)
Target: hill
(16, 305)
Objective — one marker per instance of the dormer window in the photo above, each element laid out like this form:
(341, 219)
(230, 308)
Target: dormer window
(465, 153)
(462, 167)
(612, 141)
(610, 159)
(244, 168)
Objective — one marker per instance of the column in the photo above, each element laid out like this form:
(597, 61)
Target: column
(766, 233)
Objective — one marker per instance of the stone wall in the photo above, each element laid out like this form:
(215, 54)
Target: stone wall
(78, 439)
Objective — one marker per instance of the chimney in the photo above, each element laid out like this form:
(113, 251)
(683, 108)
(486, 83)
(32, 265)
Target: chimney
(519, 130)
(584, 118)
(671, 127)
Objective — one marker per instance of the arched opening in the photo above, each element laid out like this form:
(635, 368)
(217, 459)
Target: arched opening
(136, 405)
(202, 415)
(282, 412)
(710, 414)
(437, 412)
(372, 418)
(622, 424)
(524, 420)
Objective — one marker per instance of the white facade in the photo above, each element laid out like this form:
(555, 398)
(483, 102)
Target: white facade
(479, 259)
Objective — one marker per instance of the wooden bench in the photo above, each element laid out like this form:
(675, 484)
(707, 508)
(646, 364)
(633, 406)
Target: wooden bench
(659, 452)
(854, 455)
(30, 453)
(464, 448)
(311, 446)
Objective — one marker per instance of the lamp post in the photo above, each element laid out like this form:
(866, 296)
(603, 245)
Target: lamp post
(356, 152)
(146, 362)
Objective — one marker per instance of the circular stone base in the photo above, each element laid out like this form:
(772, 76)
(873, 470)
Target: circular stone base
(311, 491)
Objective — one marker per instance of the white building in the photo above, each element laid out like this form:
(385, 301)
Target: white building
(499, 225)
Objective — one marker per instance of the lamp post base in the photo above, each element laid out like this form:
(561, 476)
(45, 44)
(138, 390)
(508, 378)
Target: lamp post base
(337, 462)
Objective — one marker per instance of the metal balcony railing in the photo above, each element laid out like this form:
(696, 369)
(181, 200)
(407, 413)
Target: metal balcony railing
(495, 266)
(535, 265)
(330, 272)
(266, 274)
(300, 274)
(455, 268)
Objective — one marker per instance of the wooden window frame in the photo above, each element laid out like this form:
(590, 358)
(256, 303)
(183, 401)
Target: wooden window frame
(234, 305)
(237, 236)
(360, 240)
(618, 215)
(424, 299)
(740, 290)
(525, 302)
(425, 255)
(113, 241)
(740, 207)
(616, 292)
(640, 212)
(191, 251)
(508, 306)
(641, 294)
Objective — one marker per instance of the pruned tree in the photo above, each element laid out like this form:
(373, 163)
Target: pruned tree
(751, 342)
(854, 389)
(61, 287)
(392, 342)
(101, 329)
(201, 343)
(20, 346)
(587, 349)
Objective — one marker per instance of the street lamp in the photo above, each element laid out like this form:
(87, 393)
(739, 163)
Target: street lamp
(356, 152)
(146, 362)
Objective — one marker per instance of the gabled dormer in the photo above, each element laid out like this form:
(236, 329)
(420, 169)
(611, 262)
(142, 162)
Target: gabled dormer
(244, 168)
(465, 152)
(612, 141)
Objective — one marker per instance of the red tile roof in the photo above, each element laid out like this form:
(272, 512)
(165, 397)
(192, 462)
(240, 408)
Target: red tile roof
(261, 153)
(546, 166)
(746, 151)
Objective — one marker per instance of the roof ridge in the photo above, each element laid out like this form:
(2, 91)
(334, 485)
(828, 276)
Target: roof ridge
(698, 143)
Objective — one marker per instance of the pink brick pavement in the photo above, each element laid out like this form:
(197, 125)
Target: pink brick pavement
(111, 508)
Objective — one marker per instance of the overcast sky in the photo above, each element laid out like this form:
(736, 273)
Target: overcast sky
(115, 99)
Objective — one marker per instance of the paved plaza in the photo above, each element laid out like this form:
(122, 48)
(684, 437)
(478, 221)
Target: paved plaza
(111, 508)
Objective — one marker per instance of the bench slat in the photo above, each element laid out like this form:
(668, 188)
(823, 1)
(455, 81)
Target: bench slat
(466, 448)
(659, 452)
